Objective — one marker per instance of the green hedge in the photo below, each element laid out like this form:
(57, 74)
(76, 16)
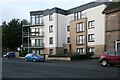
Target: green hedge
(74, 56)
(59, 55)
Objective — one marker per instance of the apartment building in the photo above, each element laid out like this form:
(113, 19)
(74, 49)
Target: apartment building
(56, 31)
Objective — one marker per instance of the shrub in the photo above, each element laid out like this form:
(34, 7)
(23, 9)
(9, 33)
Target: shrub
(23, 53)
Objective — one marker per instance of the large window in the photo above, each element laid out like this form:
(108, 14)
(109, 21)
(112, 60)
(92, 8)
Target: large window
(38, 52)
(77, 15)
(51, 40)
(37, 19)
(91, 24)
(50, 28)
(91, 37)
(37, 42)
(35, 31)
(80, 50)
(80, 39)
(80, 27)
(50, 17)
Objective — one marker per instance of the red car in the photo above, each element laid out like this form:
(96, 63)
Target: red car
(110, 58)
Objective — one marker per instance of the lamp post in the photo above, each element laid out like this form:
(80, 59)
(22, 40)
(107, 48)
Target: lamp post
(18, 49)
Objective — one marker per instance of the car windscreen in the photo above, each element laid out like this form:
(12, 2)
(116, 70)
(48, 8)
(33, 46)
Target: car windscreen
(111, 53)
(36, 55)
(117, 53)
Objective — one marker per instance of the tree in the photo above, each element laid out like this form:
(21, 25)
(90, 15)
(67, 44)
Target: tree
(12, 35)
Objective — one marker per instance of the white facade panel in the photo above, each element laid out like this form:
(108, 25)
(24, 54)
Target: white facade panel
(95, 14)
(47, 35)
(61, 30)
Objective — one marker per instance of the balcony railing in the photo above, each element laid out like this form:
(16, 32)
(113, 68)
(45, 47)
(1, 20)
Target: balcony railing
(26, 45)
(33, 34)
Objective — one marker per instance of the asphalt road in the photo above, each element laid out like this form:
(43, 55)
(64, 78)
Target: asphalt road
(17, 68)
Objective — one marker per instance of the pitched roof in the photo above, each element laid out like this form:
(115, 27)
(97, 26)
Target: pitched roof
(112, 7)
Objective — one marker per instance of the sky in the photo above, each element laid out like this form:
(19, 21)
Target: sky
(20, 9)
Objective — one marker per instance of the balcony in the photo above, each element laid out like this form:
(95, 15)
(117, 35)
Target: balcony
(33, 34)
(37, 34)
(25, 34)
(26, 45)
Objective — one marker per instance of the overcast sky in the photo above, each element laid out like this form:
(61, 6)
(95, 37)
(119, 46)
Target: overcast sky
(20, 9)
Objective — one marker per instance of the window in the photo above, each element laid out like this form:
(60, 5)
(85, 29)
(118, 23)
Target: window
(68, 28)
(80, 27)
(33, 51)
(34, 31)
(91, 49)
(41, 42)
(79, 39)
(41, 19)
(80, 50)
(33, 20)
(37, 42)
(37, 19)
(50, 28)
(77, 15)
(68, 39)
(33, 42)
(38, 52)
(91, 37)
(51, 51)
(91, 24)
(51, 40)
(50, 17)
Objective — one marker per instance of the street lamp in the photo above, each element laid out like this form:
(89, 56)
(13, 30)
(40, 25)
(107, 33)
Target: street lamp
(17, 54)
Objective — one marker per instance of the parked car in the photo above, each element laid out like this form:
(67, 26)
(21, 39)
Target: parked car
(33, 57)
(9, 55)
(111, 57)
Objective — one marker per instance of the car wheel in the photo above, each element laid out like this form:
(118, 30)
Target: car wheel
(26, 59)
(33, 60)
(111, 65)
(104, 63)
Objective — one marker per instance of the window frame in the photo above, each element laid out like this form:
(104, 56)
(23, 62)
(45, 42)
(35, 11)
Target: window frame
(50, 17)
(91, 38)
(51, 40)
(77, 15)
(35, 32)
(80, 40)
(50, 28)
(78, 50)
(91, 24)
(80, 27)
(68, 39)
(68, 28)
(92, 50)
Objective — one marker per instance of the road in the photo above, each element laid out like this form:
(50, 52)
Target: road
(18, 68)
